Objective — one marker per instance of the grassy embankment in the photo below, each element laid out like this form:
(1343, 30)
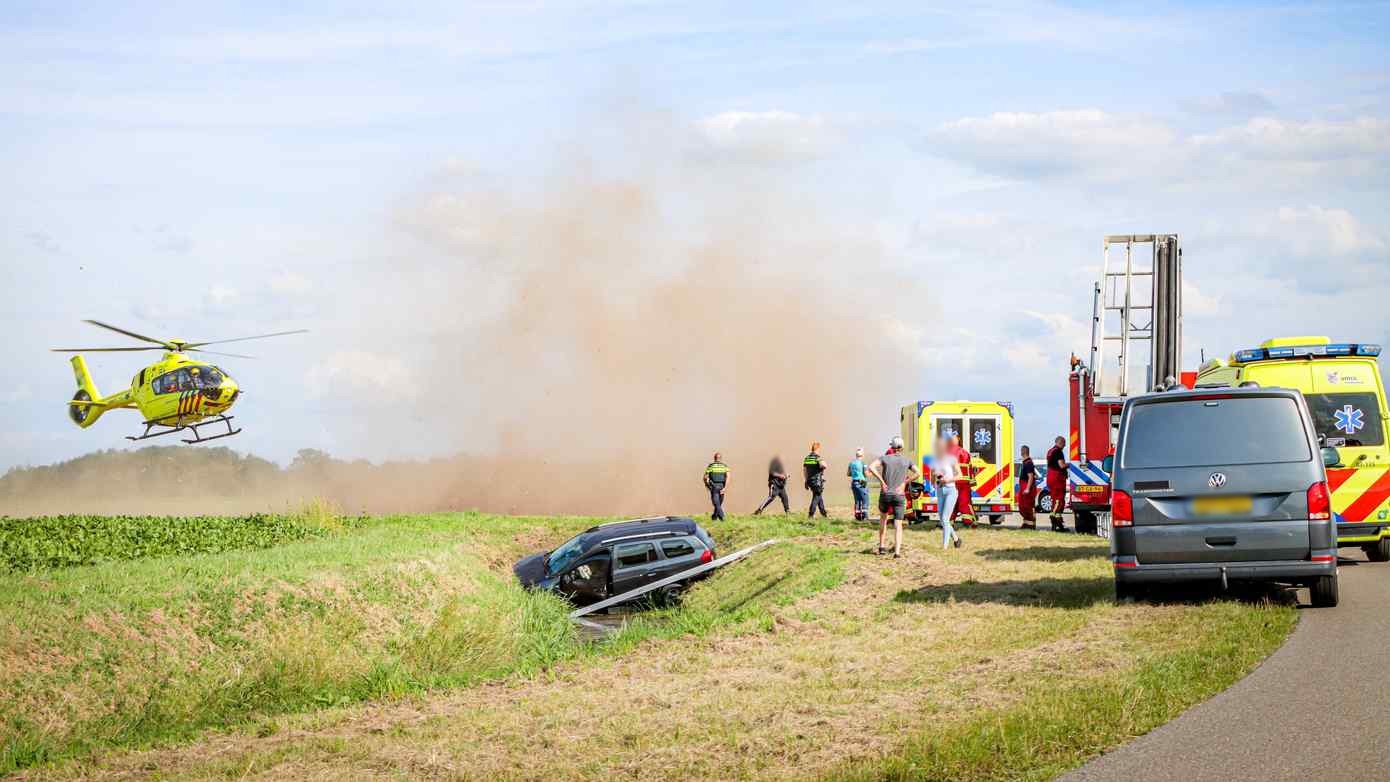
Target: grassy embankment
(154, 650)
(1003, 660)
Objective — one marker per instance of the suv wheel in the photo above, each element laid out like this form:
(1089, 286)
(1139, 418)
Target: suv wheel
(996, 518)
(1324, 591)
(1125, 591)
(671, 595)
(1378, 551)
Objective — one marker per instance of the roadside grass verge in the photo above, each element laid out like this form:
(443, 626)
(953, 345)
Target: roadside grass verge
(1055, 725)
(1007, 659)
(156, 650)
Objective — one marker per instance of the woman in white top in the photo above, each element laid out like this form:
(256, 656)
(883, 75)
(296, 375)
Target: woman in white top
(947, 471)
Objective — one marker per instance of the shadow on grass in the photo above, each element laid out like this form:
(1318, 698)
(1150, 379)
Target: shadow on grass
(1075, 593)
(1042, 592)
(1046, 553)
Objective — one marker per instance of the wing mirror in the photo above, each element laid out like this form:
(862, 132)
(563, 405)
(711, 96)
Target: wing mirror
(1331, 457)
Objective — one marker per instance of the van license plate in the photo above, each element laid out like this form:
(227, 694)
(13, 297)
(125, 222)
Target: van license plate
(1222, 506)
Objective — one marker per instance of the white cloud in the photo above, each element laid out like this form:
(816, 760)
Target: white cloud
(369, 374)
(1319, 231)
(290, 283)
(769, 136)
(1052, 144)
(1093, 144)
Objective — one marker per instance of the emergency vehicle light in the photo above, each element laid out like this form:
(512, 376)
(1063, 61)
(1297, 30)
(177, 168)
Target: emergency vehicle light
(1299, 351)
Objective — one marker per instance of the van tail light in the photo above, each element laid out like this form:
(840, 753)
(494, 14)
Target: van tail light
(1319, 502)
(1121, 509)
(707, 557)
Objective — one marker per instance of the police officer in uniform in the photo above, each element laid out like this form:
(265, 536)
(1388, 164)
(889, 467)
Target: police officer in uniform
(776, 486)
(815, 480)
(716, 480)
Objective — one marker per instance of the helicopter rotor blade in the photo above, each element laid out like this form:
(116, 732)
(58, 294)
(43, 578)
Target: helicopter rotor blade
(243, 339)
(100, 350)
(215, 353)
(140, 337)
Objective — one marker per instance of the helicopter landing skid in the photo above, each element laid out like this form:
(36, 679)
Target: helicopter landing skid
(197, 438)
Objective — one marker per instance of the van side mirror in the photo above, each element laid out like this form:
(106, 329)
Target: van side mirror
(1107, 465)
(1331, 457)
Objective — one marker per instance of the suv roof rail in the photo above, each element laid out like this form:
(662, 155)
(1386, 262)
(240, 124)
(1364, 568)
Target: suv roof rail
(666, 533)
(597, 527)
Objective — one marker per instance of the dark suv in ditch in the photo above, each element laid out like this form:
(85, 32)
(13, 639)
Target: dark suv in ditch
(614, 558)
(1222, 486)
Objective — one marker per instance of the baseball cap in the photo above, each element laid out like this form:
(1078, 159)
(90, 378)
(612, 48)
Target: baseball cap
(896, 442)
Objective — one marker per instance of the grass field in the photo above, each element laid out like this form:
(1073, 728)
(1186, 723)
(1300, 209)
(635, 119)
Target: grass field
(400, 646)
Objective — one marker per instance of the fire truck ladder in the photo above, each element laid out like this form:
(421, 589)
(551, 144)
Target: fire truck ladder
(1146, 302)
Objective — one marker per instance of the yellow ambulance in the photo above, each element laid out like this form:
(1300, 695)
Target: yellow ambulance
(986, 430)
(1346, 397)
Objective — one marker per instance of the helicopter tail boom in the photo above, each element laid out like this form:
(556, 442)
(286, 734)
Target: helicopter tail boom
(86, 405)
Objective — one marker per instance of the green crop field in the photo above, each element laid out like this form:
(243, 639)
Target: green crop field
(309, 646)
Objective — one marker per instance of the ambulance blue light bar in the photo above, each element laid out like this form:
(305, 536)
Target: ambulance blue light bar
(1301, 351)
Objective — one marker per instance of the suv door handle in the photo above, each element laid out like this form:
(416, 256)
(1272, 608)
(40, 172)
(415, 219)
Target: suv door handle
(1230, 541)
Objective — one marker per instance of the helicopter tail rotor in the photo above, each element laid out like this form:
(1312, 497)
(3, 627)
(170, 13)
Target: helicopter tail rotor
(86, 405)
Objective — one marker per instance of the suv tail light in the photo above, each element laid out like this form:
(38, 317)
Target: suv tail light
(707, 557)
(1121, 509)
(1319, 502)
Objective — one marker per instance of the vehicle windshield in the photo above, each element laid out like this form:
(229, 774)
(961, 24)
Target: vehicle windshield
(1347, 419)
(563, 556)
(1214, 432)
(206, 377)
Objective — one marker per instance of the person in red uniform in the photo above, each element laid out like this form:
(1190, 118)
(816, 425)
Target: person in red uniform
(1057, 481)
(1027, 489)
(965, 510)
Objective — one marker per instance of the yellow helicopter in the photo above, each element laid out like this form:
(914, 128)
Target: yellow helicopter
(174, 394)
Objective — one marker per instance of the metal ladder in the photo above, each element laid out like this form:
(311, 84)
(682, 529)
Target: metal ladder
(1147, 312)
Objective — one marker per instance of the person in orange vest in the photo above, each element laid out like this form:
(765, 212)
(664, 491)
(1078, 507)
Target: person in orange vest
(965, 510)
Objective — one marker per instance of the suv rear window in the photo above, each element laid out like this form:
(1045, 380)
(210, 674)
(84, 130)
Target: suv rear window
(630, 554)
(1211, 432)
(1347, 419)
(676, 548)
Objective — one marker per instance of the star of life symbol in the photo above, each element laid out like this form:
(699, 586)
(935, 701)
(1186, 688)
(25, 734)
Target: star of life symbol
(1349, 419)
(949, 432)
(982, 437)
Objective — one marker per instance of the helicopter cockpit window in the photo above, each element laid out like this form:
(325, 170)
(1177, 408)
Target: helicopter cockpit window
(207, 377)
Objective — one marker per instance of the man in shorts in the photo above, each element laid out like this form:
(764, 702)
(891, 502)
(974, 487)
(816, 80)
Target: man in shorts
(893, 471)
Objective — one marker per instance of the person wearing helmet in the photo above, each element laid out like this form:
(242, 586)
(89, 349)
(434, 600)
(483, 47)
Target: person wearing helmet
(893, 472)
(815, 467)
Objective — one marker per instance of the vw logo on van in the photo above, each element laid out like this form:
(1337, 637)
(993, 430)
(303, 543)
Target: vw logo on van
(1217, 480)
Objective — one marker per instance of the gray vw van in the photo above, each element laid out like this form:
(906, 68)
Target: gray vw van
(1222, 486)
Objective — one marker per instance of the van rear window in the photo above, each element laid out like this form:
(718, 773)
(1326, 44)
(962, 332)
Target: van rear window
(1214, 432)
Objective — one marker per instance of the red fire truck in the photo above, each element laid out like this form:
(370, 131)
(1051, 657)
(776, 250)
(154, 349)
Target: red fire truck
(1134, 302)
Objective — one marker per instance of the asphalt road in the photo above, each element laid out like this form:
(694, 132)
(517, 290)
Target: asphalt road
(1318, 708)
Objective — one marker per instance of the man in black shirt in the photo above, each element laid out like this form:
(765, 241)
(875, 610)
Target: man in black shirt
(776, 486)
(1057, 481)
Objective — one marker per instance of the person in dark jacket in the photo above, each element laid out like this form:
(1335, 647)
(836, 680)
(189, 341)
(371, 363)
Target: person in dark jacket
(716, 480)
(776, 486)
(815, 467)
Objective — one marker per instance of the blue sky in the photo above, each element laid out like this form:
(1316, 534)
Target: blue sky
(234, 168)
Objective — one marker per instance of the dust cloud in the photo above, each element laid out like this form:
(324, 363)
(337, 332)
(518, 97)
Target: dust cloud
(587, 337)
